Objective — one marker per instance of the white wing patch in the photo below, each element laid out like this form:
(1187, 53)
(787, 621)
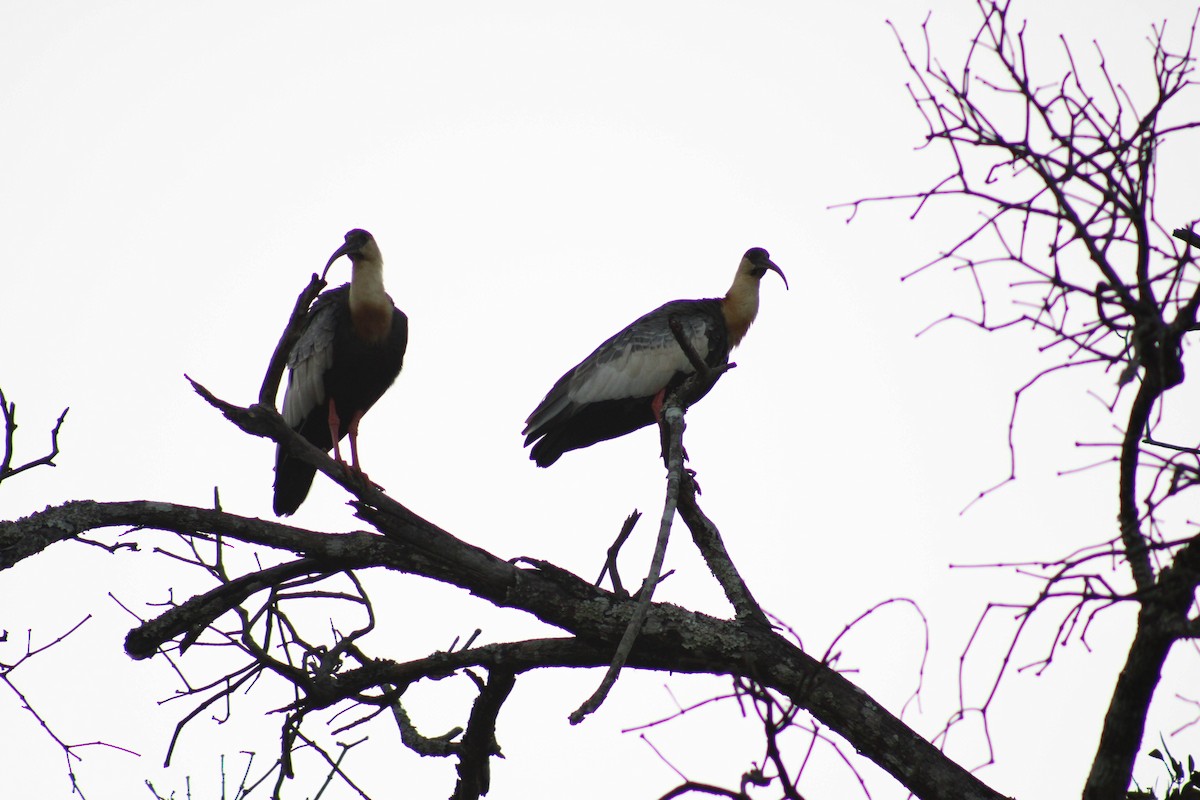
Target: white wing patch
(309, 360)
(637, 365)
(306, 386)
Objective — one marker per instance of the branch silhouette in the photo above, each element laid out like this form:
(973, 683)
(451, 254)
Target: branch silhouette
(593, 619)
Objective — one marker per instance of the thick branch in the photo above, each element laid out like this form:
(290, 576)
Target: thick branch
(673, 638)
(1161, 622)
(1132, 537)
(479, 742)
(1124, 724)
(1187, 235)
(192, 617)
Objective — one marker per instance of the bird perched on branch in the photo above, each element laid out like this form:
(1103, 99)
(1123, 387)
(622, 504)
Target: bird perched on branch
(349, 352)
(620, 387)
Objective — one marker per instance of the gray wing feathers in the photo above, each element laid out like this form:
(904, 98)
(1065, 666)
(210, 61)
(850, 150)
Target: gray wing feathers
(637, 362)
(310, 359)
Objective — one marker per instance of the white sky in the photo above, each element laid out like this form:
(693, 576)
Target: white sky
(538, 175)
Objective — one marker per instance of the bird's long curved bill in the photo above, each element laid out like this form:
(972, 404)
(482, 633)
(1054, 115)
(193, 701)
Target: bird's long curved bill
(771, 265)
(341, 251)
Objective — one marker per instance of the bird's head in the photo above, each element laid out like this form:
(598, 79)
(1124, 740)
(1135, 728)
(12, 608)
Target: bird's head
(360, 246)
(756, 262)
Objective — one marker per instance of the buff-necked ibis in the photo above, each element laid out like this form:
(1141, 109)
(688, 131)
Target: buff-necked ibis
(349, 352)
(620, 387)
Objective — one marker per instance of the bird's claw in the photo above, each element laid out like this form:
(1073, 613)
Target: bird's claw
(355, 473)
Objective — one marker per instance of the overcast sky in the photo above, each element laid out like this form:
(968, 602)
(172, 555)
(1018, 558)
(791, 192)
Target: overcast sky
(538, 175)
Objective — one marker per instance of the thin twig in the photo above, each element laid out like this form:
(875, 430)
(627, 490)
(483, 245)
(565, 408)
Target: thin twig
(673, 421)
(7, 470)
(610, 562)
(712, 548)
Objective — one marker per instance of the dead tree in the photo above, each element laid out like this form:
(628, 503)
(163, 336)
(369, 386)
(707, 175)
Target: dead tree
(1064, 187)
(254, 616)
(1072, 177)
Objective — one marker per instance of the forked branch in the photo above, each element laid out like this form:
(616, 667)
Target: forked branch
(7, 470)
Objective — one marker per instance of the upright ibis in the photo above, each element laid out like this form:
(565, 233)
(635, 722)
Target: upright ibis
(349, 352)
(620, 387)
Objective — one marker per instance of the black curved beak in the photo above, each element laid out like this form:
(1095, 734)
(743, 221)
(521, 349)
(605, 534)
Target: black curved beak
(341, 251)
(771, 265)
(345, 249)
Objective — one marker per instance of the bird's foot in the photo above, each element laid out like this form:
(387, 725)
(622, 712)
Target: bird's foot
(355, 473)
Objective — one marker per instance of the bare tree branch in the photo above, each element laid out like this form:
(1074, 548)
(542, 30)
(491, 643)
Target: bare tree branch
(672, 417)
(7, 470)
(479, 742)
(610, 562)
(673, 638)
(1067, 231)
(708, 540)
(1187, 235)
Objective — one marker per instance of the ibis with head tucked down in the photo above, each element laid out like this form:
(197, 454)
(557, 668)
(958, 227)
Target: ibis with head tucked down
(349, 352)
(620, 387)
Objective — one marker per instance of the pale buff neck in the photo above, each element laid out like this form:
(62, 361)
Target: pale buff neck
(740, 306)
(370, 306)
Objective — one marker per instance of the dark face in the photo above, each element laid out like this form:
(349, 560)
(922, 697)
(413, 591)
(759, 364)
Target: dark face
(756, 255)
(762, 262)
(356, 240)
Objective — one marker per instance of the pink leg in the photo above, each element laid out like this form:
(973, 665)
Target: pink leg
(335, 430)
(354, 444)
(657, 403)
